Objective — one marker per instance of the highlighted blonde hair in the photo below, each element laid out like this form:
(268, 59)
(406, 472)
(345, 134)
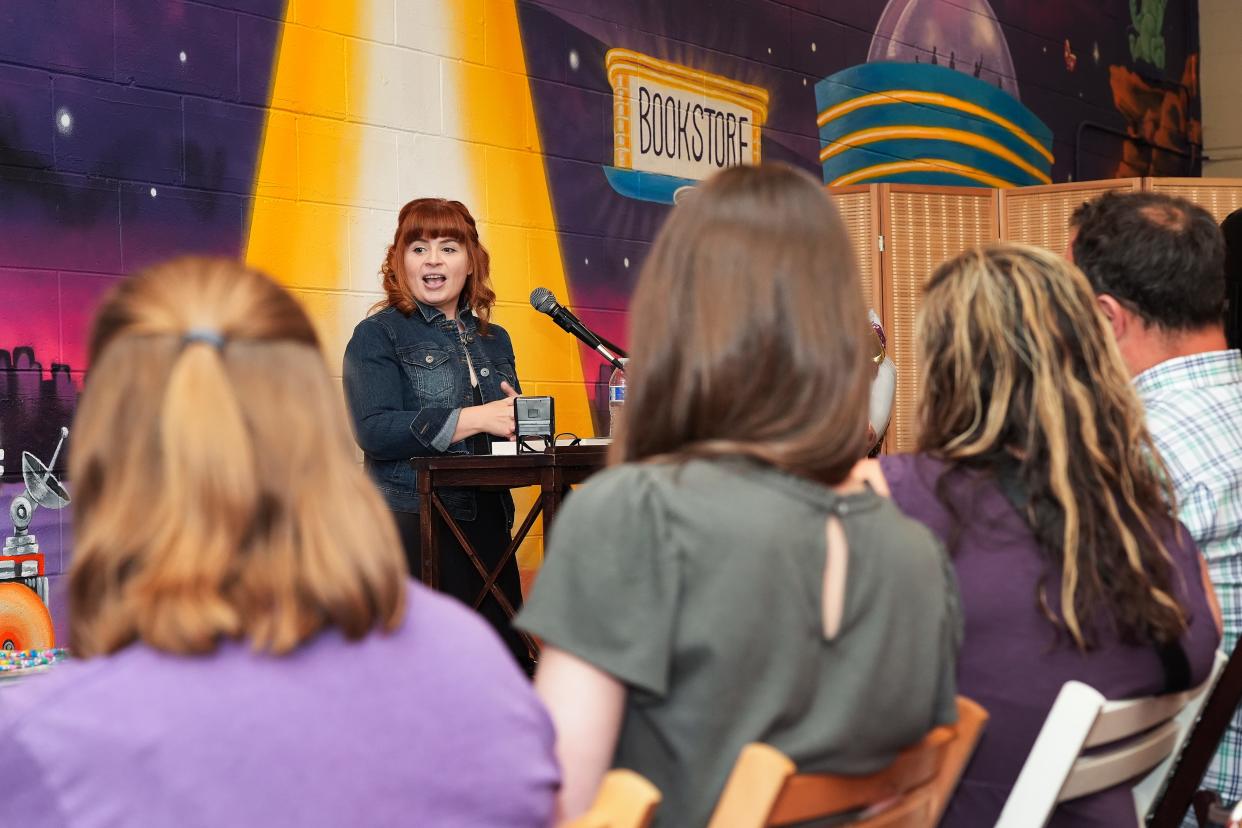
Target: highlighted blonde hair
(217, 495)
(1018, 371)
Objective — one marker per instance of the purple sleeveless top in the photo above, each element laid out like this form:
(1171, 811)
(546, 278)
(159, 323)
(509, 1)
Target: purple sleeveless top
(1011, 661)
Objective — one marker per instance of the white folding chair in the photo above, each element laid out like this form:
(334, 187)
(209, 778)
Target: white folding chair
(1150, 786)
(1082, 719)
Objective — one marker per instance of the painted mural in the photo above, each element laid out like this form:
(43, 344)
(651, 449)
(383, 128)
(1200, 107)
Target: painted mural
(289, 133)
(127, 135)
(638, 101)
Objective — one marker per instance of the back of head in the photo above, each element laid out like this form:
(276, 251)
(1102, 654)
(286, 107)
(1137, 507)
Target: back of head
(217, 495)
(1020, 372)
(749, 331)
(1231, 228)
(1159, 255)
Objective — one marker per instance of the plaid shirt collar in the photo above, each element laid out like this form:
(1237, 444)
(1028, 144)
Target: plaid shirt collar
(1195, 371)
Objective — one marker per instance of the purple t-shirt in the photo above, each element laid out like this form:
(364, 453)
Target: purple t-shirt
(432, 724)
(1010, 661)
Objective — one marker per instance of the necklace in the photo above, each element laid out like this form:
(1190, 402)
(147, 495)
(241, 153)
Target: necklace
(461, 337)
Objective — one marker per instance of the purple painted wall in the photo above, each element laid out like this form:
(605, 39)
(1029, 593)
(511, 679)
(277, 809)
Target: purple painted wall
(129, 132)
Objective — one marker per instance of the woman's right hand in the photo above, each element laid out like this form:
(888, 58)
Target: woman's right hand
(494, 418)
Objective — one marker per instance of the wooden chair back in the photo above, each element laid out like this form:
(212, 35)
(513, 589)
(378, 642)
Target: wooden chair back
(765, 789)
(625, 800)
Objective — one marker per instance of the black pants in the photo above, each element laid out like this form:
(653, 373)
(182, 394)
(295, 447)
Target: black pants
(489, 535)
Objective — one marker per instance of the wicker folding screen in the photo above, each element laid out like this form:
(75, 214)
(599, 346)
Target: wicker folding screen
(1219, 196)
(922, 226)
(1040, 215)
(861, 211)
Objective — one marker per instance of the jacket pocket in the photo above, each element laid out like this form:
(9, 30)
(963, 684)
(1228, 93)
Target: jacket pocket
(430, 370)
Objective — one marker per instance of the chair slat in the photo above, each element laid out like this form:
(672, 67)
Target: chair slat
(1119, 719)
(763, 788)
(1103, 770)
(804, 796)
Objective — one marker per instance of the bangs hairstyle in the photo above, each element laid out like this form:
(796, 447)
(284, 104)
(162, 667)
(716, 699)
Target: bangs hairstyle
(435, 218)
(1019, 372)
(749, 332)
(217, 495)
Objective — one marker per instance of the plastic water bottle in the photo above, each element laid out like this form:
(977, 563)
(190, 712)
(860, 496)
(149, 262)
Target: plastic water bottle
(616, 399)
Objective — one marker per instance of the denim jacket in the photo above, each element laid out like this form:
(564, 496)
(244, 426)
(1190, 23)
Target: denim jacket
(406, 381)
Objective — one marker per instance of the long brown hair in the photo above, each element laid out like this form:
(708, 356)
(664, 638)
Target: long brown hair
(217, 495)
(1018, 370)
(435, 218)
(748, 330)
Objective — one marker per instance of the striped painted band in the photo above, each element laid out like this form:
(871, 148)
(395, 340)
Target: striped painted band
(917, 96)
(959, 136)
(937, 165)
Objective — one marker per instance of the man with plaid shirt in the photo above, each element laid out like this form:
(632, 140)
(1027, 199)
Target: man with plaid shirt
(1156, 263)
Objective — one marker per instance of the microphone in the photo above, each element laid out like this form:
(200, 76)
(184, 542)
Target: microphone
(541, 297)
(544, 301)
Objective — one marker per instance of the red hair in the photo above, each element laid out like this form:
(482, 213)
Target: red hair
(437, 218)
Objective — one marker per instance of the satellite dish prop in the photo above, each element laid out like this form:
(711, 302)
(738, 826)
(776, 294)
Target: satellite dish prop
(21, 558)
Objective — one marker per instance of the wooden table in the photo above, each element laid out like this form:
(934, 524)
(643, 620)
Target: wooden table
(553, 471)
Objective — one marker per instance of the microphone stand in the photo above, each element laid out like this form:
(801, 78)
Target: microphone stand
(612, 347)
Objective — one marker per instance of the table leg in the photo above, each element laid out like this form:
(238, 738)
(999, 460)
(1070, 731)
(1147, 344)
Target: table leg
(430, 563)
(531, 646)
(549, 497)
(473, 557)
(510, 551)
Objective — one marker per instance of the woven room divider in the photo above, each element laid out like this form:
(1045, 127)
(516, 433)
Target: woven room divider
(922, 226)
(861, 212)
(1219, 196)
(1040, 215)
(901, 232)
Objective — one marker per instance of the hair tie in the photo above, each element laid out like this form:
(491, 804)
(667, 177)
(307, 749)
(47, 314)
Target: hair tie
(209, 336)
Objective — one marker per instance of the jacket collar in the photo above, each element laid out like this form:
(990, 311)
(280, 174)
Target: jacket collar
(432, 314)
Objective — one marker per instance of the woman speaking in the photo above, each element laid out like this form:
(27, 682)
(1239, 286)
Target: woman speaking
(428, 373)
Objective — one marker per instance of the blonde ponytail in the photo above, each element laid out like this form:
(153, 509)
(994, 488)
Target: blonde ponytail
(205, 499)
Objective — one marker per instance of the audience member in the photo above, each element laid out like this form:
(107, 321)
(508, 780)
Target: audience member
(1156, 263)
(249, 648)
(728, 582)
(1035, 468)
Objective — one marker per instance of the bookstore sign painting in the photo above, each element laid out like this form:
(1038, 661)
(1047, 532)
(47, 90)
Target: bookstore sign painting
(674, 126)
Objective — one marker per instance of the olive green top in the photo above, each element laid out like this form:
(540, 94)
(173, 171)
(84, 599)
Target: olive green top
(699, 587)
